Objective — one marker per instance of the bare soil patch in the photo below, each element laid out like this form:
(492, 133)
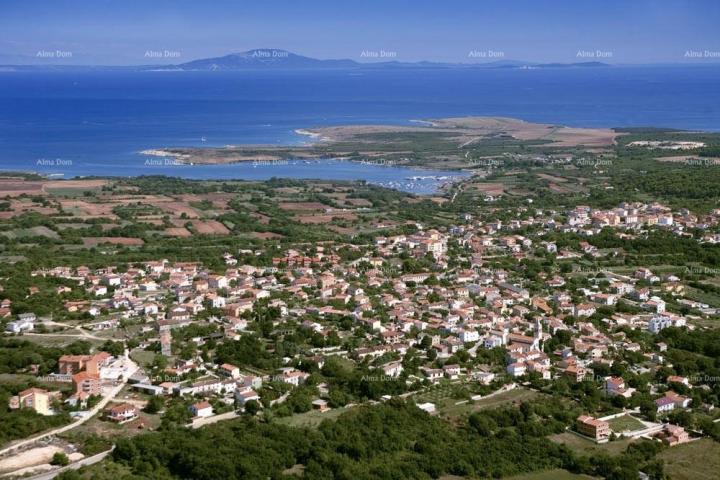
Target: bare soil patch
(13, 187)
(95, 241)
(210, 227)
(299, 206)
(178, 232)
(318, 219)
(267, 235)
(488, 188)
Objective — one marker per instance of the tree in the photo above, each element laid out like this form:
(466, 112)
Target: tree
(115, 349)
(647, 408)
(252, 407)
(69, 475)
(154, 405)
(159, 362)
(60, 458)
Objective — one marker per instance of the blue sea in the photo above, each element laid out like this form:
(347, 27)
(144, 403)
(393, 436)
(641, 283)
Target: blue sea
(96, 123)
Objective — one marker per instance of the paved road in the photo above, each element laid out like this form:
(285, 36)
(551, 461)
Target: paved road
(91, 413)
(201, 422)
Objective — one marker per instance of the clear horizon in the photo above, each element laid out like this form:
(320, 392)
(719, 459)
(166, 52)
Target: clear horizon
(78, 32)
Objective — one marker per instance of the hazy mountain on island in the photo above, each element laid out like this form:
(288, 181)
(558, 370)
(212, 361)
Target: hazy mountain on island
(264, 58)
(576, 64)
(282, 59)
(278, 59)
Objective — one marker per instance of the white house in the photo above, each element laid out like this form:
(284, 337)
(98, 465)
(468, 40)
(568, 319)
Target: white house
(516, 369)
(392, 369)
(245, 395)
(658, 323)
(201, 409)
(432, 374)
(451, 371)
(468, 336)
(664, 404)
(486, 378)
(656, 304)
(493, 341)
(24, 323)
(294, 377)
(615, 386)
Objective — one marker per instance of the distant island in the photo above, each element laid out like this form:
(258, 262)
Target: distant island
(279, 59)
(282, 59)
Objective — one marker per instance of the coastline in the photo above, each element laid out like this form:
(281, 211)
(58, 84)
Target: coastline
(308, 133)
(414, 180)
(265, 161)
(160, 152)
(415, 144)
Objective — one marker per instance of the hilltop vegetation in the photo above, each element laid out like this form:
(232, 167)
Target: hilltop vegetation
(395, 440)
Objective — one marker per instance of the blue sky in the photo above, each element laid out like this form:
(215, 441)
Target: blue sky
(122, 31)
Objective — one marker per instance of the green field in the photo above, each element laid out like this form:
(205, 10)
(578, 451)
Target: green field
(583, 446)
(143, 357)
(440, 396)
(699, 460)
(72, 192)
(40, 231)
(626, 423)
(556, 474)
(311, 419)
(59, 339)
(704, 297)
(449, 408)
(435, 394)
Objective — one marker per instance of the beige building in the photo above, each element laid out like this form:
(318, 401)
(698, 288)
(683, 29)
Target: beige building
(35, 398)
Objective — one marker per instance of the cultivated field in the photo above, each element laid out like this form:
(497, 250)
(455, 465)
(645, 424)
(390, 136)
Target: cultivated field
(95, 241)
